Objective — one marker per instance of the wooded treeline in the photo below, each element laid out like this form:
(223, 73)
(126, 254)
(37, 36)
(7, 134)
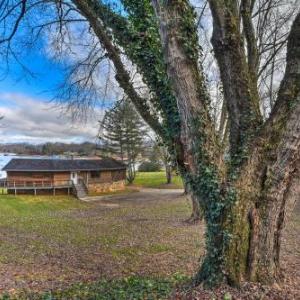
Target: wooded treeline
(49, 148)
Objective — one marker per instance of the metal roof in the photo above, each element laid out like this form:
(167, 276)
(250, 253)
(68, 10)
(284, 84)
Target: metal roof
(61, 165)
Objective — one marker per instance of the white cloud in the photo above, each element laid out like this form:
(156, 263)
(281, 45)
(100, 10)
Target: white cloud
(33, 120)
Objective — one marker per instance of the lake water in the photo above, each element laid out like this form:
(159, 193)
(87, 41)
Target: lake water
(5, 158)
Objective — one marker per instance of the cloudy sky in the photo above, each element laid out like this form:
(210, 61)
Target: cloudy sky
(29, 115)
(36, 120)
(25, 97)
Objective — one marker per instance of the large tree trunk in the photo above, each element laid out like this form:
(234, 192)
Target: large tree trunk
(244, 210)
(243, 202)
(240, 89)
(267, 184)
(253, 253)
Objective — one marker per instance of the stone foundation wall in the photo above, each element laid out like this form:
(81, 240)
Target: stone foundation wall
(105, 187)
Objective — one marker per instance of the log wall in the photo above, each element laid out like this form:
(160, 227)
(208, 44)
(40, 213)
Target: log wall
(29, 176)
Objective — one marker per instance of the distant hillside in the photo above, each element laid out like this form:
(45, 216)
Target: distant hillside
(86, 148)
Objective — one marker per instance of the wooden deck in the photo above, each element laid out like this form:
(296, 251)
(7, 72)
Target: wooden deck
(15, 186)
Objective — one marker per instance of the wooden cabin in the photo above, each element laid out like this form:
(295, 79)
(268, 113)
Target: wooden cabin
(56, 176)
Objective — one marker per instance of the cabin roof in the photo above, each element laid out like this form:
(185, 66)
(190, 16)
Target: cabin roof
(62, 165)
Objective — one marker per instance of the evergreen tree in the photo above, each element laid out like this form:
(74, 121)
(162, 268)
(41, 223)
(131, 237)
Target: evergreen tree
(121, 135)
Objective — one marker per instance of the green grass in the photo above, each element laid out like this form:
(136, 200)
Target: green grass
(135, 288)
(35, 220)
(79, 249)
(156, 180)
(24, 205)
(56, 248)
(2, 191)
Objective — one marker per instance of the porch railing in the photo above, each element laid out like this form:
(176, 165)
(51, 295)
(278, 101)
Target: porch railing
(41, 184)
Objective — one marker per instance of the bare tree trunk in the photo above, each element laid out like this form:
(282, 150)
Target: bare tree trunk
(131, 173)
(196, 212)
(168, 173)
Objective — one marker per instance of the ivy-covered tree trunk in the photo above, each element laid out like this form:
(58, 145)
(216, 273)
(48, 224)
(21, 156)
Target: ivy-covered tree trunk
(267, 187)
(244, 201)
(268, 182)
(243, 198)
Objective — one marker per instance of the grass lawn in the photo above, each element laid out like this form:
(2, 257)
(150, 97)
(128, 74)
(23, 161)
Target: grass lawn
(134, 248)
(156, 180)
(78, 249)
(2, 191)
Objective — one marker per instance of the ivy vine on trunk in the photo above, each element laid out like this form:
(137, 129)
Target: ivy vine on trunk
(243, 198)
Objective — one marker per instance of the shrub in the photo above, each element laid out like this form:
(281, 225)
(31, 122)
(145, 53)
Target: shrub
(149, 166)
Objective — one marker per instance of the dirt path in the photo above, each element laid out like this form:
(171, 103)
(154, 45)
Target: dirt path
(143, 194)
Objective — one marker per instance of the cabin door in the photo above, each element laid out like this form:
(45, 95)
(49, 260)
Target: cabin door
(74, 177)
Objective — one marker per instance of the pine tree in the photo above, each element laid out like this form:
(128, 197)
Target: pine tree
(121, 135)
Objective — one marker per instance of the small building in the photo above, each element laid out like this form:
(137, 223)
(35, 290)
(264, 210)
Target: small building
(78, 176)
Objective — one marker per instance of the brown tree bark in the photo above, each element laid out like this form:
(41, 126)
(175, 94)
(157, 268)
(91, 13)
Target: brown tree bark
(187, 81)
(243, 236)
(168, 173)
(268, 183)
(240, 89)
(244, 209)
(196, 214)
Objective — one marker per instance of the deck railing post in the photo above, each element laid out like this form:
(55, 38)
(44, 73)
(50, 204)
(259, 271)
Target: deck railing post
(34, 186)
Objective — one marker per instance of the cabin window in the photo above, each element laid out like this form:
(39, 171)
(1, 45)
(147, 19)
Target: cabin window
(95, 174)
